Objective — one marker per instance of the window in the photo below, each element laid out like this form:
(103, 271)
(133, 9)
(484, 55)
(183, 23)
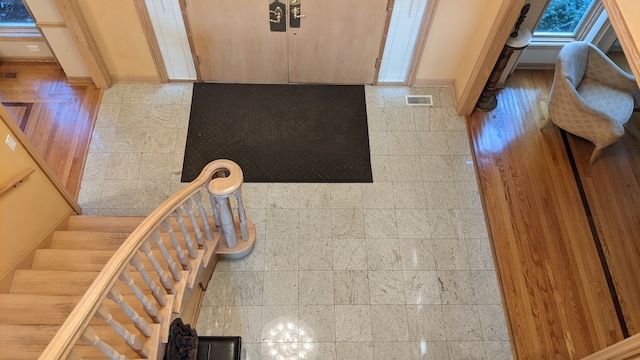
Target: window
(14, 13)
(569, 19)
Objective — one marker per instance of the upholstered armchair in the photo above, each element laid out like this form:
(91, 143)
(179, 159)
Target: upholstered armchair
(591, 96)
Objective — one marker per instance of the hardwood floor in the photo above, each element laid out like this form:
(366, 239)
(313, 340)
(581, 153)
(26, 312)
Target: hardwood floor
(57, 117)
(567, 247)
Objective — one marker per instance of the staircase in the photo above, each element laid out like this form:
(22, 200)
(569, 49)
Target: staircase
(111, 286)
(41, 298)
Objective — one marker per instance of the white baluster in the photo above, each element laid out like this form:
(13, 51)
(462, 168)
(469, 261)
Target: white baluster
(193, 253)
(203, 215)
(216, 214)
(181, 256)
(140, 323)
(188, 207)
(89, 335)
(164, 278)
(244, 229)
(132, 340)
(149, 307)
(226, 219)
(155, 290)
(173, 268)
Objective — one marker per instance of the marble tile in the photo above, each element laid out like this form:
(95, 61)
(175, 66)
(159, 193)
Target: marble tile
(245, 288)
(217, 289)
(380, 224)
(386, 287)
(404, 168)
(255, 261)
(139, 93)
(353, 322)
(314, 196)
(160, 140)
(468, 195)
(437, 168)
(282, 223)
(429, 350)
(474, 224)
(399, 118)
(462, 323)
(171, 93)
(403, 143)
(317, 323)
(409, 195)
(107, 115)
(426, 323)
(468, 350)
(315, 288)
(315, 254)
(378, 143)
(151, 193)
(155, 166)
(280, 288)
(280, 350)
(103, 139)
(456, 287)
(244, 321)
(445, 224)
(211, 321)
(346, 196)
(347, 224)
(485, 285)
(378, 196)
(381, 168)
(251, 351)
(422, 117)
(452, 121)
(354, 350)
(441, 195)
(123, 166)
(383, 254)
(90, 195)
(114, 94)
(283, 196)
(432, 142)
(458, 142)
(134, 115)
(498, 350)
(413, 224)
(389, 323)
(351, 287)
(281, 254)
(417, 254)
(254, 196)
(165, 116)
(279, 324)
(463, 168)
(391, 351)
(479, 252)
(314, 223)
(421, 287)
(451, 254)
(349, 254)
(373, 96)
(493, 322)
(118, 194)
(96, 166)
(317, 351)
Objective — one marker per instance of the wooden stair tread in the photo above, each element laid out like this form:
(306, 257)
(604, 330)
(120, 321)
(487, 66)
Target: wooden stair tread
(124, 224)
(71, 260)
(49, 282)
(29, 341)
(88, 240)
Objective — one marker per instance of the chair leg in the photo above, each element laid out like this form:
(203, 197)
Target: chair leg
(595, 153)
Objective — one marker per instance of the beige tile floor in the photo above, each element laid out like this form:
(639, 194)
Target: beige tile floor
(397, 269)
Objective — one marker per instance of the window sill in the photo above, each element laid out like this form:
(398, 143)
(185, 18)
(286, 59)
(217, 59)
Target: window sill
(20, 33)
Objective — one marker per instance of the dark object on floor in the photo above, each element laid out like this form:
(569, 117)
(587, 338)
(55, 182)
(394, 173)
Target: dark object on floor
(280, 133)
(219, 347)
(183, 342)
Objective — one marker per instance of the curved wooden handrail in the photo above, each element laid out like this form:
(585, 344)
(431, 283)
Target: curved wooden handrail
(16, 179)
(71, 330)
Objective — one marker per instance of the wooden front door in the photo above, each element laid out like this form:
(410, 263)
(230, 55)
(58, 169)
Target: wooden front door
(337, 42)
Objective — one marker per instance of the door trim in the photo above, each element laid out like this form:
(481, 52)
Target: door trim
(187, 27)
(383, 41)
(421, 41)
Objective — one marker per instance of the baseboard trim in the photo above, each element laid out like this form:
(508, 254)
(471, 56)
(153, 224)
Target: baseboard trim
(127, 78)
(26, 261)
(24, 59)
(79, 79)
(433, 82)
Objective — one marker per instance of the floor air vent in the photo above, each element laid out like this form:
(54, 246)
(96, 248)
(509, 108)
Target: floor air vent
(423, 100)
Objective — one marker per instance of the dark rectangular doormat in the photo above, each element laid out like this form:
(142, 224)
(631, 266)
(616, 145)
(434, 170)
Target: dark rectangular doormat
(280, 133)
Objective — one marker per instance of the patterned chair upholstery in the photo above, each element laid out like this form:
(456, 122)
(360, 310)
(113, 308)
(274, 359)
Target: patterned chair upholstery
(591, 96)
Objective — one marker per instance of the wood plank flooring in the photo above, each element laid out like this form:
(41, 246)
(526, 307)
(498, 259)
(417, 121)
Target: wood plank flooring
(57, 117)
(562, 299)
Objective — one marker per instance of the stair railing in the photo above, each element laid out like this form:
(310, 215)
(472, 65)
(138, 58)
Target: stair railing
(168, 254)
